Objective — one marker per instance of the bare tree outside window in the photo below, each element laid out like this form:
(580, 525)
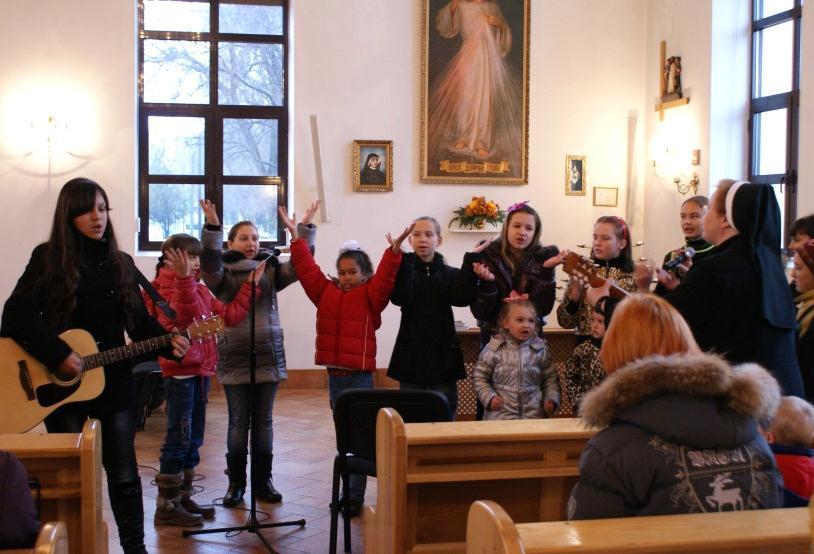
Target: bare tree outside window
(212, 115)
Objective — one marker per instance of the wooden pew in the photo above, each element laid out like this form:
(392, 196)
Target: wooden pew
(428, 475)
(68, 467)
(491, 530)
(52, 539)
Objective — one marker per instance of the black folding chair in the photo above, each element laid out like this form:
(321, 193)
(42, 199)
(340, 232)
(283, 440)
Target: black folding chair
(355, 414)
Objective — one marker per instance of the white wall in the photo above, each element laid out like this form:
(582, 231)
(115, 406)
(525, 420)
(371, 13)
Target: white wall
(591, 66)
(805, 197)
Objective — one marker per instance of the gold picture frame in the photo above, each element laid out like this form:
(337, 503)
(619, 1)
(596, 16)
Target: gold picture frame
(372, 165)
(477, 145)
(606, 196)
(576, 175)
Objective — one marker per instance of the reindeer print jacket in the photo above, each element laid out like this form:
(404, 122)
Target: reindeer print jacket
(680, 435)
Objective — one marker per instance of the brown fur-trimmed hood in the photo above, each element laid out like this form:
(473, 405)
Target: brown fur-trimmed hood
(747, 389)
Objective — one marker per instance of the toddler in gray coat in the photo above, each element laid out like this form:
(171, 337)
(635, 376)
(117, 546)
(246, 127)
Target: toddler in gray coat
(514, 378)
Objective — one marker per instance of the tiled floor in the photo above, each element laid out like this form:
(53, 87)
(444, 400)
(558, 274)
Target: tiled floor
(304, 449)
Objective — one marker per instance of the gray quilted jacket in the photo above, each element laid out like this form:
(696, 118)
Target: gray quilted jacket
(224, 273)
(519, 373)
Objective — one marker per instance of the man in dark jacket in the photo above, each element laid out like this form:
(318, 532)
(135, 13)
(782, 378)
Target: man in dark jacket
(737, 301)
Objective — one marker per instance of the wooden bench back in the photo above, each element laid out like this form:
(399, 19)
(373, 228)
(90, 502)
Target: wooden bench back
(491, 530)
(68, 467)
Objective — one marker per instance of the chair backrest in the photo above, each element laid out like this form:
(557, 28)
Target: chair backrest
(355, 414)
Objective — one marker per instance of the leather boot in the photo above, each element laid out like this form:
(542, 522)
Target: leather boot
(168, 509)
(261, 479)
(236, 470)
(207, 511)
(128, 510)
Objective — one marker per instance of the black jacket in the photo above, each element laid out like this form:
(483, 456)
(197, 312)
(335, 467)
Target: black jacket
(720, 299)
(427, 350)
(680, 436)
(529, 277)
(18, 520)
(98, 311)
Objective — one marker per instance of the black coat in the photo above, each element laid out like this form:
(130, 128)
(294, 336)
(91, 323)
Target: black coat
(720, 299)
(98, 311)
(18, 519)
(427, 350)
(679, 435)
(805, 357)
(529, 277)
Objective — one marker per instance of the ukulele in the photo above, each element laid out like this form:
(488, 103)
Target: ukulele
(31, 391)
(586, 271)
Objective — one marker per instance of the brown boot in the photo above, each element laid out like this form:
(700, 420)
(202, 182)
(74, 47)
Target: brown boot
(207, 511)
(168, 509)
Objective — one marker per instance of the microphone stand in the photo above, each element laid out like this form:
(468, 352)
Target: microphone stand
(252, 525)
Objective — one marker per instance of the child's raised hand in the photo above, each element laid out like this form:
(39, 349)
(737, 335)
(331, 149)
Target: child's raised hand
(482, 272)
(483, 245)
(309, 213)
(210, 212)
(496, 403)
(395, 244)
(179, 260)
(290, 222)
(550, 406)
(257, 274)
(556, 260)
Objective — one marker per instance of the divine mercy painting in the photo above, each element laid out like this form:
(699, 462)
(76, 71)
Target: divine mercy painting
(474, 91)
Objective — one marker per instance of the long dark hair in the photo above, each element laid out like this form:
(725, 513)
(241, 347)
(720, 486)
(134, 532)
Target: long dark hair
(60, 277)
(505, 253)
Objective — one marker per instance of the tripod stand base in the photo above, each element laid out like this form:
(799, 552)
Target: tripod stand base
(252, 527)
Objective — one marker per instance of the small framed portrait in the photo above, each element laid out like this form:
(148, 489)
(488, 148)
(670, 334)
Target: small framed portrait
(606, 196)
(372, 165)
(576, 181)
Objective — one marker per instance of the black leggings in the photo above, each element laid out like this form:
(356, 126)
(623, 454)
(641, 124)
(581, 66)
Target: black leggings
(119, 461)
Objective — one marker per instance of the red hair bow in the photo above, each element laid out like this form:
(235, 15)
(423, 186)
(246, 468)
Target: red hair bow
(515, 296)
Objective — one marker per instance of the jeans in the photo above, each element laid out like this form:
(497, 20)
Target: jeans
(337, 385)
(449, 390)
(119, 461)
(238, 400)
(186, 420)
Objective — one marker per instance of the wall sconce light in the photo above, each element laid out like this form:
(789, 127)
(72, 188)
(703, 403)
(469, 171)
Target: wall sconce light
(669, 165)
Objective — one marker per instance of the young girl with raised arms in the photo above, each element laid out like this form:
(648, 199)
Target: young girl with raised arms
(427, 354)
(186, 382)
(224, 273)
(348, 314)
(514, 378)
(611, 250)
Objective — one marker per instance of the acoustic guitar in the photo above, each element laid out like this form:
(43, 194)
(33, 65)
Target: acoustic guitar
(585, 270)
(31, 391)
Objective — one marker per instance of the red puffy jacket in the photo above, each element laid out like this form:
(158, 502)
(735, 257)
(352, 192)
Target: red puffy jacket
(192, 300)
(346, 320)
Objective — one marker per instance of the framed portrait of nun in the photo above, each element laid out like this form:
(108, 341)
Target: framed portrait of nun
(474, 91)
(372, 165)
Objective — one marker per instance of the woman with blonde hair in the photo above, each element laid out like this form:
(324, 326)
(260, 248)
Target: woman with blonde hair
(680, 427)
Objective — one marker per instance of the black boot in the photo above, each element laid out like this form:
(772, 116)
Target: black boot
(168, 509)
(128, 510)
(207, 511)
(236, 470)
(261, 479)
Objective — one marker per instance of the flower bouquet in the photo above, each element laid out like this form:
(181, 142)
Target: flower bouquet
(477, 214)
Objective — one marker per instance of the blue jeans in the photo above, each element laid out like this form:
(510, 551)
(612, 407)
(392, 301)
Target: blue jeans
(337, 385)
(186, 421)
(449, 390)
(238, 400)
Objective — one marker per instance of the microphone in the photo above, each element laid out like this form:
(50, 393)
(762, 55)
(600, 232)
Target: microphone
(680, 259)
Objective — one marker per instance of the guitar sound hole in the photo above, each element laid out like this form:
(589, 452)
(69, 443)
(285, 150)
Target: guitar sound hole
(48, 395)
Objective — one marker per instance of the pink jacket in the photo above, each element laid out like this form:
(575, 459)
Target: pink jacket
(192, 300)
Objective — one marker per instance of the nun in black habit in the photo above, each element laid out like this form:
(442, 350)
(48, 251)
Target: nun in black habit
(736, 300)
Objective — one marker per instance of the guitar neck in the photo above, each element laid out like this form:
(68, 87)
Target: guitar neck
(132, 350)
